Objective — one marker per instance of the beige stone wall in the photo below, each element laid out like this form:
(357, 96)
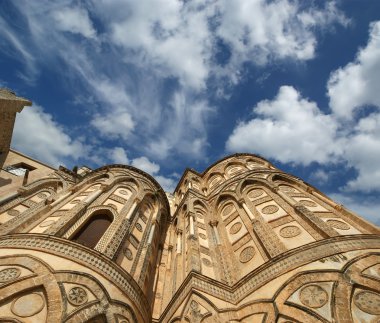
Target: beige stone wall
(9, 183)
(240, 242)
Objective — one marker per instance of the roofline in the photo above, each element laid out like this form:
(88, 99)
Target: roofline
(35, 160)
(215, 163)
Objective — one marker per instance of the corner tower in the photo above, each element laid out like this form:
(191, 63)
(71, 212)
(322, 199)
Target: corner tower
(250, 243)
(82, 248)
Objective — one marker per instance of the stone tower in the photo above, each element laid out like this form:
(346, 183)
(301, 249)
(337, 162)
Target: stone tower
(240, 242)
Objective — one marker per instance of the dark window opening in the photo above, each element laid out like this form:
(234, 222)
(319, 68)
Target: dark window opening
(93, 230)
(19, 169)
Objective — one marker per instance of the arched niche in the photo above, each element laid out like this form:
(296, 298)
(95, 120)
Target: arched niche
(93, 229)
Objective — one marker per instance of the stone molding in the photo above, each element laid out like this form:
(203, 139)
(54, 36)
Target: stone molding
(268, 271)
(84, 256)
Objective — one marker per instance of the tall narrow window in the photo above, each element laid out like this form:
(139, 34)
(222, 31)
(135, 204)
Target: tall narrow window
(93, 230)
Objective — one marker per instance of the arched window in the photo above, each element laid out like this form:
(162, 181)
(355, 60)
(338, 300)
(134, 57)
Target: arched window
(93, 230)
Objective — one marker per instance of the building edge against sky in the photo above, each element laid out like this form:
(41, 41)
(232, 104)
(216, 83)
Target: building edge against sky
(240, 242)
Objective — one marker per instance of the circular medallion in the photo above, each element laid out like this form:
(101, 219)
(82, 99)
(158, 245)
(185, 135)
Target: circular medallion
(9, 274)
(227, 210)
(255, 193)
(287, 189)
(235, 228)
(128, 254)
(338, 225)
(47, 223)
(13, 212)
(77, 296)
(206, 262)
(28, 305)
(290, 231)
(247, 254)
(308, 203)
(368, 302)
(112, 205)
(313, 296)
(270, 209)
(203, 236)
(42, 195)
(139, 227)
(124, 192)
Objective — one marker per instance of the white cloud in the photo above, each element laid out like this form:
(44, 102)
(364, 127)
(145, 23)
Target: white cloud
(118, 156)
(168, 184)
(75, 20)
(288, 128)
(114, 124)
(362, 151)
(320, 176)
(38, 135)
(357, 84)
(146, 165)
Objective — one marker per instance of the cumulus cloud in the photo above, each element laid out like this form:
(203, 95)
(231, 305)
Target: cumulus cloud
(146, 165)
(37, 134)
(118, 156)
(356, 85)
(288, 128)
(74, 20)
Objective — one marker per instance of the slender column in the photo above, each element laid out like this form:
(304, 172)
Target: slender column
(213, 225)
(249, 212)
(151, 233)
(191, 218)
(179, 241)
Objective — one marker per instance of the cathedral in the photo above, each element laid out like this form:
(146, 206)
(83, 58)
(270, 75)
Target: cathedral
(241, 241)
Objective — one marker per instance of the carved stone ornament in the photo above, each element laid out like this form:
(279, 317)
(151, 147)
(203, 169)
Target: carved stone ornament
(287, 189)
(270, 209)
(255, 193)
(28, 305)
(206, 262)
(77, 296)
(203, 236)
(47, 223)
(199, 215)
(13, 212)
(139, 227)
(313, 296)
(227, 210)
(236, 228)
(75, 202)
(9, 274)
(42, 195)
(124, 192)
(338, 225)
(247, 254)
(128, 253)
(368, 302)
(290, 231)
(112, 205)
(308, 203)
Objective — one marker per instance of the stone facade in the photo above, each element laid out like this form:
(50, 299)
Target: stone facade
(240, 242)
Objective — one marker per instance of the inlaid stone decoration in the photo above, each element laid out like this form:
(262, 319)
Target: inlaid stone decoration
(123, 192)
(308, 203)
(128, 253)
(47, 223)
(336, 224)
(203, 236)
(28, 305)
(235, 228)
(313, 296)
(42, 195)
(255, 193)
(227, 209)
(290, 231)
(368, 302)
(206, 262)
(247, 254)
(112, 205)
(270, 209)
(13, 212)
(139, 227)
(287, 189)
(75, 202)
(9, 274)
(77, 296)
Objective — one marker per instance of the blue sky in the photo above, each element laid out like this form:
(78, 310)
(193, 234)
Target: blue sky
(163, 85)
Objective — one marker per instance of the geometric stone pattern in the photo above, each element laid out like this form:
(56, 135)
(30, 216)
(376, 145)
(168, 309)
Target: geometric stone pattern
(233, 239)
